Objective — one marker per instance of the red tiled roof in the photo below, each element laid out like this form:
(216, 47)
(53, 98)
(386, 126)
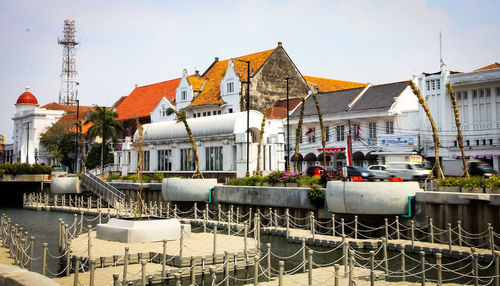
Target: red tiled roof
(65, 107)
(326, 84)
(211, 91)
(143, 99)
(278, 110)
(490, 67)
(72, 118)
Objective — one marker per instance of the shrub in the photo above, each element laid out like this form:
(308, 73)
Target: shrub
(471, 183)
(112, 177)
(316, 196)
(157, 176)
(275, 177)
(24, 168)
(131, 177)
(308, 181)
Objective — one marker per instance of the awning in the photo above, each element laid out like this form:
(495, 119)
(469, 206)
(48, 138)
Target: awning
(331, 150)
(310, 157)
(320, 158)
(358, 156)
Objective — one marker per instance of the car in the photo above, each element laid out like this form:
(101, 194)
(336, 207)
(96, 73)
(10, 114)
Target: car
(379, 171)
(408, 171)
(477, 168)
(356, 171)
(312, 169)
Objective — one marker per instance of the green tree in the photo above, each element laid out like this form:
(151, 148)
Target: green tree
(94, 156)
(58, 138)
(105, 126)
(181, 117)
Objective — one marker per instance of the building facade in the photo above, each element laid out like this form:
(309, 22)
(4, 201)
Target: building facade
(478, 100)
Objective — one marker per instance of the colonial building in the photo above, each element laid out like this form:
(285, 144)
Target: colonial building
(478, 99)
(217, 93)
(382, 119)
(30, 121)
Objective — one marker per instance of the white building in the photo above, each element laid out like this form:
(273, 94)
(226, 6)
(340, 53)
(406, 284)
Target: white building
(478, 98)
(383, 120)
(220, 141)
(29, 122)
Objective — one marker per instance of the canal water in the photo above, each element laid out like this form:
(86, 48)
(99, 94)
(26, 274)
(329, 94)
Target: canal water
(43, 226)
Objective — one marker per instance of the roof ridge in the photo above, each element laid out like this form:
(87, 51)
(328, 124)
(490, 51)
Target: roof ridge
(140, 86)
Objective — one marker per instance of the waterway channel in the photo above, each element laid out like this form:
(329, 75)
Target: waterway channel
(44, 227)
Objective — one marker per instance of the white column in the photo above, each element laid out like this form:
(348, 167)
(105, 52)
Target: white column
(493, 102)
(153, 158)
(470, 115)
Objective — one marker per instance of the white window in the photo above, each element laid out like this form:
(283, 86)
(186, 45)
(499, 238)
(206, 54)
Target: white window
(164, 160)
(230, 87)
(428, 84)
(433, 82)
(340, 133)
(187, 160)
(389, 127)
(213, 159)
(184, 95)
(145, 161)
(372, 130)
(312, 135)
(327, 133)
(438, 84)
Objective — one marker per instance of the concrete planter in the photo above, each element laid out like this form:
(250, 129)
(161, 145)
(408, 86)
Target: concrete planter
(187, 190)
(291, 185)
(25, 178)
(450, 189)
(492, 191)
(65, 185)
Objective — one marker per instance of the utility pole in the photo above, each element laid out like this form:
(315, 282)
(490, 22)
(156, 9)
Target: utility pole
(287, 162)
(248, 115)
(349, 143)
(76, 135)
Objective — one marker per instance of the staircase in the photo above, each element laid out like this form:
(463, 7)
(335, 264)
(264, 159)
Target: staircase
(101, 188)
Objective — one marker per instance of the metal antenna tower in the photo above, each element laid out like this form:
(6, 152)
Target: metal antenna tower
(69, 92)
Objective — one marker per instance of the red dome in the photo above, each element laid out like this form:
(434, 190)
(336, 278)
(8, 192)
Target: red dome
(27, 98)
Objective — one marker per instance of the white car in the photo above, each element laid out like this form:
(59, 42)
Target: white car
(408, 171)
(379, 171)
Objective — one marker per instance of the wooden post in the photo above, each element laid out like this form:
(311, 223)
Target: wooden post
(32, 245)
(164, 259)
(287, 219)
(193, 273)
(89, 237)
(439, 269)
(143, 272)
(333, 225)
(181, 242)
(386, 222)
(68, 258)
(311, 220)
(386, 260)
(125, 266)
(412, 234)
(397, 227)
(310, 266)
(422, 268)
(355, 227)
(92, 270)
(459, 226)
(403, 264)
(44, 259)
(497, 269)
(226, 268)
(431, 230)
(372, 268)
(492, 240)
(245, 231)
(342, 227)
(214, 252)
(77, 270)
(268, 261)
(212, 274)
(282, 269)
(351, 266)
(304, 253)
(475, 272)
(256, 271)
(450, 240)
(195, 211)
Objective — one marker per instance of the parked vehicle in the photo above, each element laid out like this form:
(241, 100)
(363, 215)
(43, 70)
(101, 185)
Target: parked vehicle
(311, 169)
(379, 171)
(356, 171)
(408, 171)
(478, 168)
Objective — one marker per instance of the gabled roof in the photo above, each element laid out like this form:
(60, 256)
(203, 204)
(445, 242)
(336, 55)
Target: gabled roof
(326, 84)
(489, 67)
(278, 110)
(143, 99)
(375, 97)
(216, 72)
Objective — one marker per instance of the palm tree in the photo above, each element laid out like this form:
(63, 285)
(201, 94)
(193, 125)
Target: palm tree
(257, 172)
(322, 126)
(181, 117)
(104, 125)
(459, 130)
(299, 132)
(435, 134)
(140, 153)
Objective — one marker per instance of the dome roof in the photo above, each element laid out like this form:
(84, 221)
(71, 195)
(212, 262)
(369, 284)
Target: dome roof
(27, 98)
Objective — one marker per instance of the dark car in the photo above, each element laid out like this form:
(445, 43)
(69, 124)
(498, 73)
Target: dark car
(356, 171)
(311, 169)
(481, 169)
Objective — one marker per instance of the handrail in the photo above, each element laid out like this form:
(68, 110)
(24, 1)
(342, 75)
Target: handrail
(101, 188)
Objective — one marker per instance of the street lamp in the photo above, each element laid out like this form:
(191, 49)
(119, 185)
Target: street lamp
(287, 162)
(76, 135)
(248, 113)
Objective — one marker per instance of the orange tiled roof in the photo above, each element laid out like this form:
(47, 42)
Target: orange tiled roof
(143, 99)
(278, 110)
(196, 82)
(72, 118)
(65, 107)
(490, 67)
(211, 91)
(326, 84)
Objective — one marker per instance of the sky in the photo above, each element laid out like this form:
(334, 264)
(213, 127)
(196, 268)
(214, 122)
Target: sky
(124, 43)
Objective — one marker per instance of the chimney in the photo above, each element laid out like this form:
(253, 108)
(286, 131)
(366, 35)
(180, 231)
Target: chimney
(216, 59)
(136, 85)
(280, 44)
(197, 73)
(27, 88)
